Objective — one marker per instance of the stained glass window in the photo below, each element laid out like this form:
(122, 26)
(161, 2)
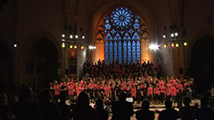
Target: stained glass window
(122, 40)
(106, 51)
(138, 51)
(115, 50)
(111, 51)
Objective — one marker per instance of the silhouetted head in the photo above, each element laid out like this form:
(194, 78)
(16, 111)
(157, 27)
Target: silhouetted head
(186, 101)
(145, 104)
(3, 98)
(62, 97)
(83, 99)
(168, 104)
(122, 96)
(99, 103)
(25, 93)
(204, 101)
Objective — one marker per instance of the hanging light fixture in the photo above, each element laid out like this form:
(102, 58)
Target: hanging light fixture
(176, 35)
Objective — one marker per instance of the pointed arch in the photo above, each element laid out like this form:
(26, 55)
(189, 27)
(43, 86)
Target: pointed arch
(31, 40)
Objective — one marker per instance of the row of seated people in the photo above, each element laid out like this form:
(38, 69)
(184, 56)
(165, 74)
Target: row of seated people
(152, 88)
(113, 70)
(44, 109)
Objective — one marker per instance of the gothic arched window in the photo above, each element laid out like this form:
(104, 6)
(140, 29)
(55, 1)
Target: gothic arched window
(122, 40)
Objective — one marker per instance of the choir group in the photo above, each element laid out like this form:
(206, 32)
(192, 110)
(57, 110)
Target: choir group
(107, 81)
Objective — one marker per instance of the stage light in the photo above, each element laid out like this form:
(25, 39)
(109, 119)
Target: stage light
(76, 36)
(75, 46)
(172, 34)
(177, 45)
(173, 45)
(176, 34)
(14, 45)
(154, 47)
(71, 46)
(165, 45)
(63, 45)
(164, 36)
(185, 43)
(71, 36)
(83, 37)
(91, 47)
(82, 47)
(63, 35)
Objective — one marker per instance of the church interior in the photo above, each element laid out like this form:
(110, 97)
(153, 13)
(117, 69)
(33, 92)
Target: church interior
(46, 40)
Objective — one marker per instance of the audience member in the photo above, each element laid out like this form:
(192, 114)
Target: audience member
(102, 114)
(122, 110)
(186, 112)
(24, 109)
(169, 113)
(63, 107)
(49, 109)
(4, 109)
(204, 112)
(82, 110)
(145, 113)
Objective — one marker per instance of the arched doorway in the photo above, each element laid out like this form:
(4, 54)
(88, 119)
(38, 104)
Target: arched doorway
(42, 63)
(5, 64)
(202, 65)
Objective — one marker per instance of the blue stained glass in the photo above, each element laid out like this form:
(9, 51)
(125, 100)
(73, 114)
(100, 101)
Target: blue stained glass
(121, 17)
(136, 26)
(135, 36)
(117, 37)
(108, 26)
(129, 52)
(122, 28)
(136, 20)
(108, 36)
(113, 31)
(131, 31)
(126, 37)
(133, 51)
(107, 21)
(106, 52)
(124, 52)
(122, 32)
(120, 52)
(138, 50)
(111, 51)
(115, 50)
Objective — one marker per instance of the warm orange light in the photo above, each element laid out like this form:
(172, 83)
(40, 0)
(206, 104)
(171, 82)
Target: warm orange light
(75, 46)
(71, 46)
(82, 47)
(173, 45)
(165, 45)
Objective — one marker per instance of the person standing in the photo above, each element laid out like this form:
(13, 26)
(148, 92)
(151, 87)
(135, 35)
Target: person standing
(24, 109)
(169, 113)
(122, 110)
(162, 91)
(56, 91)
(150, 92)
(102, 114)
(186, 112)
(212, 91)
(204, 112)
(145, 113)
